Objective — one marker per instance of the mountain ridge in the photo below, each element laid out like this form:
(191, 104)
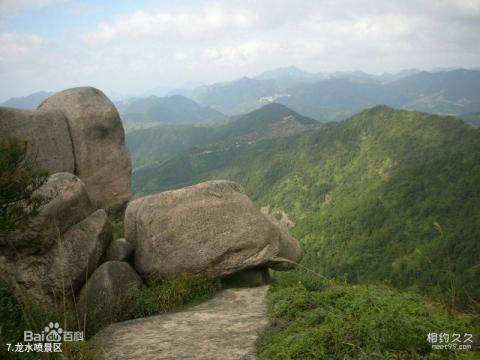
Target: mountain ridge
(158, 144)
(168, 109)
(365, 195)
(340, 95)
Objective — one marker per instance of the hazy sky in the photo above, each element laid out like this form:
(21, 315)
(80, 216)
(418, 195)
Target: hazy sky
(132, 47)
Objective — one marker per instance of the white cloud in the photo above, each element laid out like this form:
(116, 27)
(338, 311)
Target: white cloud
(13, 7)
(211, 42)
(13, 46)
(209, 20)
(240, 55)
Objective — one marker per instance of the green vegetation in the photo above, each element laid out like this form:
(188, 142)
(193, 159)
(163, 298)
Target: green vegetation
(162, 142)
(472, 119)
(18, 183)
(321, 319)
(386, 196)
(20, 314)
(158, 144)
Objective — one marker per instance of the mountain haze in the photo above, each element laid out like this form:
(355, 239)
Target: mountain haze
(333, 97)
(27, 102)
(175, 109)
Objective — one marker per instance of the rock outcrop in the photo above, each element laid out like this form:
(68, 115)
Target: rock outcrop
(211, 228)
(101, 157)
(55, 260)
(108, 285)
(77, 131)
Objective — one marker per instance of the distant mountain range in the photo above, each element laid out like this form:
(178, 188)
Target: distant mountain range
(322, 96)
(175, 109)
(158, 144)
(333, 97)
(27, 102)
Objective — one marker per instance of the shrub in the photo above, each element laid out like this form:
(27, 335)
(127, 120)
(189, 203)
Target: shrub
(321, 319)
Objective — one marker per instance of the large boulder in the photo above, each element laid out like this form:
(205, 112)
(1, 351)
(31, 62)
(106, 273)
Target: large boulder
(47, 134)
(101, 156)
(211, 228)
(108, 285)
(68, 203)
(62, 270)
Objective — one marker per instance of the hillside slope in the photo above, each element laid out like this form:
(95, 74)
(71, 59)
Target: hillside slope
(160, 143)
(386, 196)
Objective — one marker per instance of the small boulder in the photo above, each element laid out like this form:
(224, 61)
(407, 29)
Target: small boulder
(211, 228)
(101, 156)
(119, 250)
(108, 285)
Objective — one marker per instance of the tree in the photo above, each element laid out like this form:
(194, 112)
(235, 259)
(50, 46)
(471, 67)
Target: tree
(19, 181)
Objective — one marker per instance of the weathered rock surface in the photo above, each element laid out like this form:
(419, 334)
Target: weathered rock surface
(101, 156)
(109, 283)
(47, 134)
(65, 267)
(68, 204)
(77, 131)
(119, 250)
(223, 328)
(69, 200)
(290, 250)
(80, 250)
(211, 228)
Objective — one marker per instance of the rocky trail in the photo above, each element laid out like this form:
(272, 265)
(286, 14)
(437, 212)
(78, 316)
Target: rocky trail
(224, 327)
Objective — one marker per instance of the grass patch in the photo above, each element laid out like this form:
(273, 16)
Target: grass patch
(314, 318)
(21, 314)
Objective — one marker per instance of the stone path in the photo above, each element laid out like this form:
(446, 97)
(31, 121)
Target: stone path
(225, 327)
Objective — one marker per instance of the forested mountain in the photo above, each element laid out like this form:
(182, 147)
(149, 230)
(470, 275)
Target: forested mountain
(337, 96)
(159, 143)
(386, 196)
(174, 109)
